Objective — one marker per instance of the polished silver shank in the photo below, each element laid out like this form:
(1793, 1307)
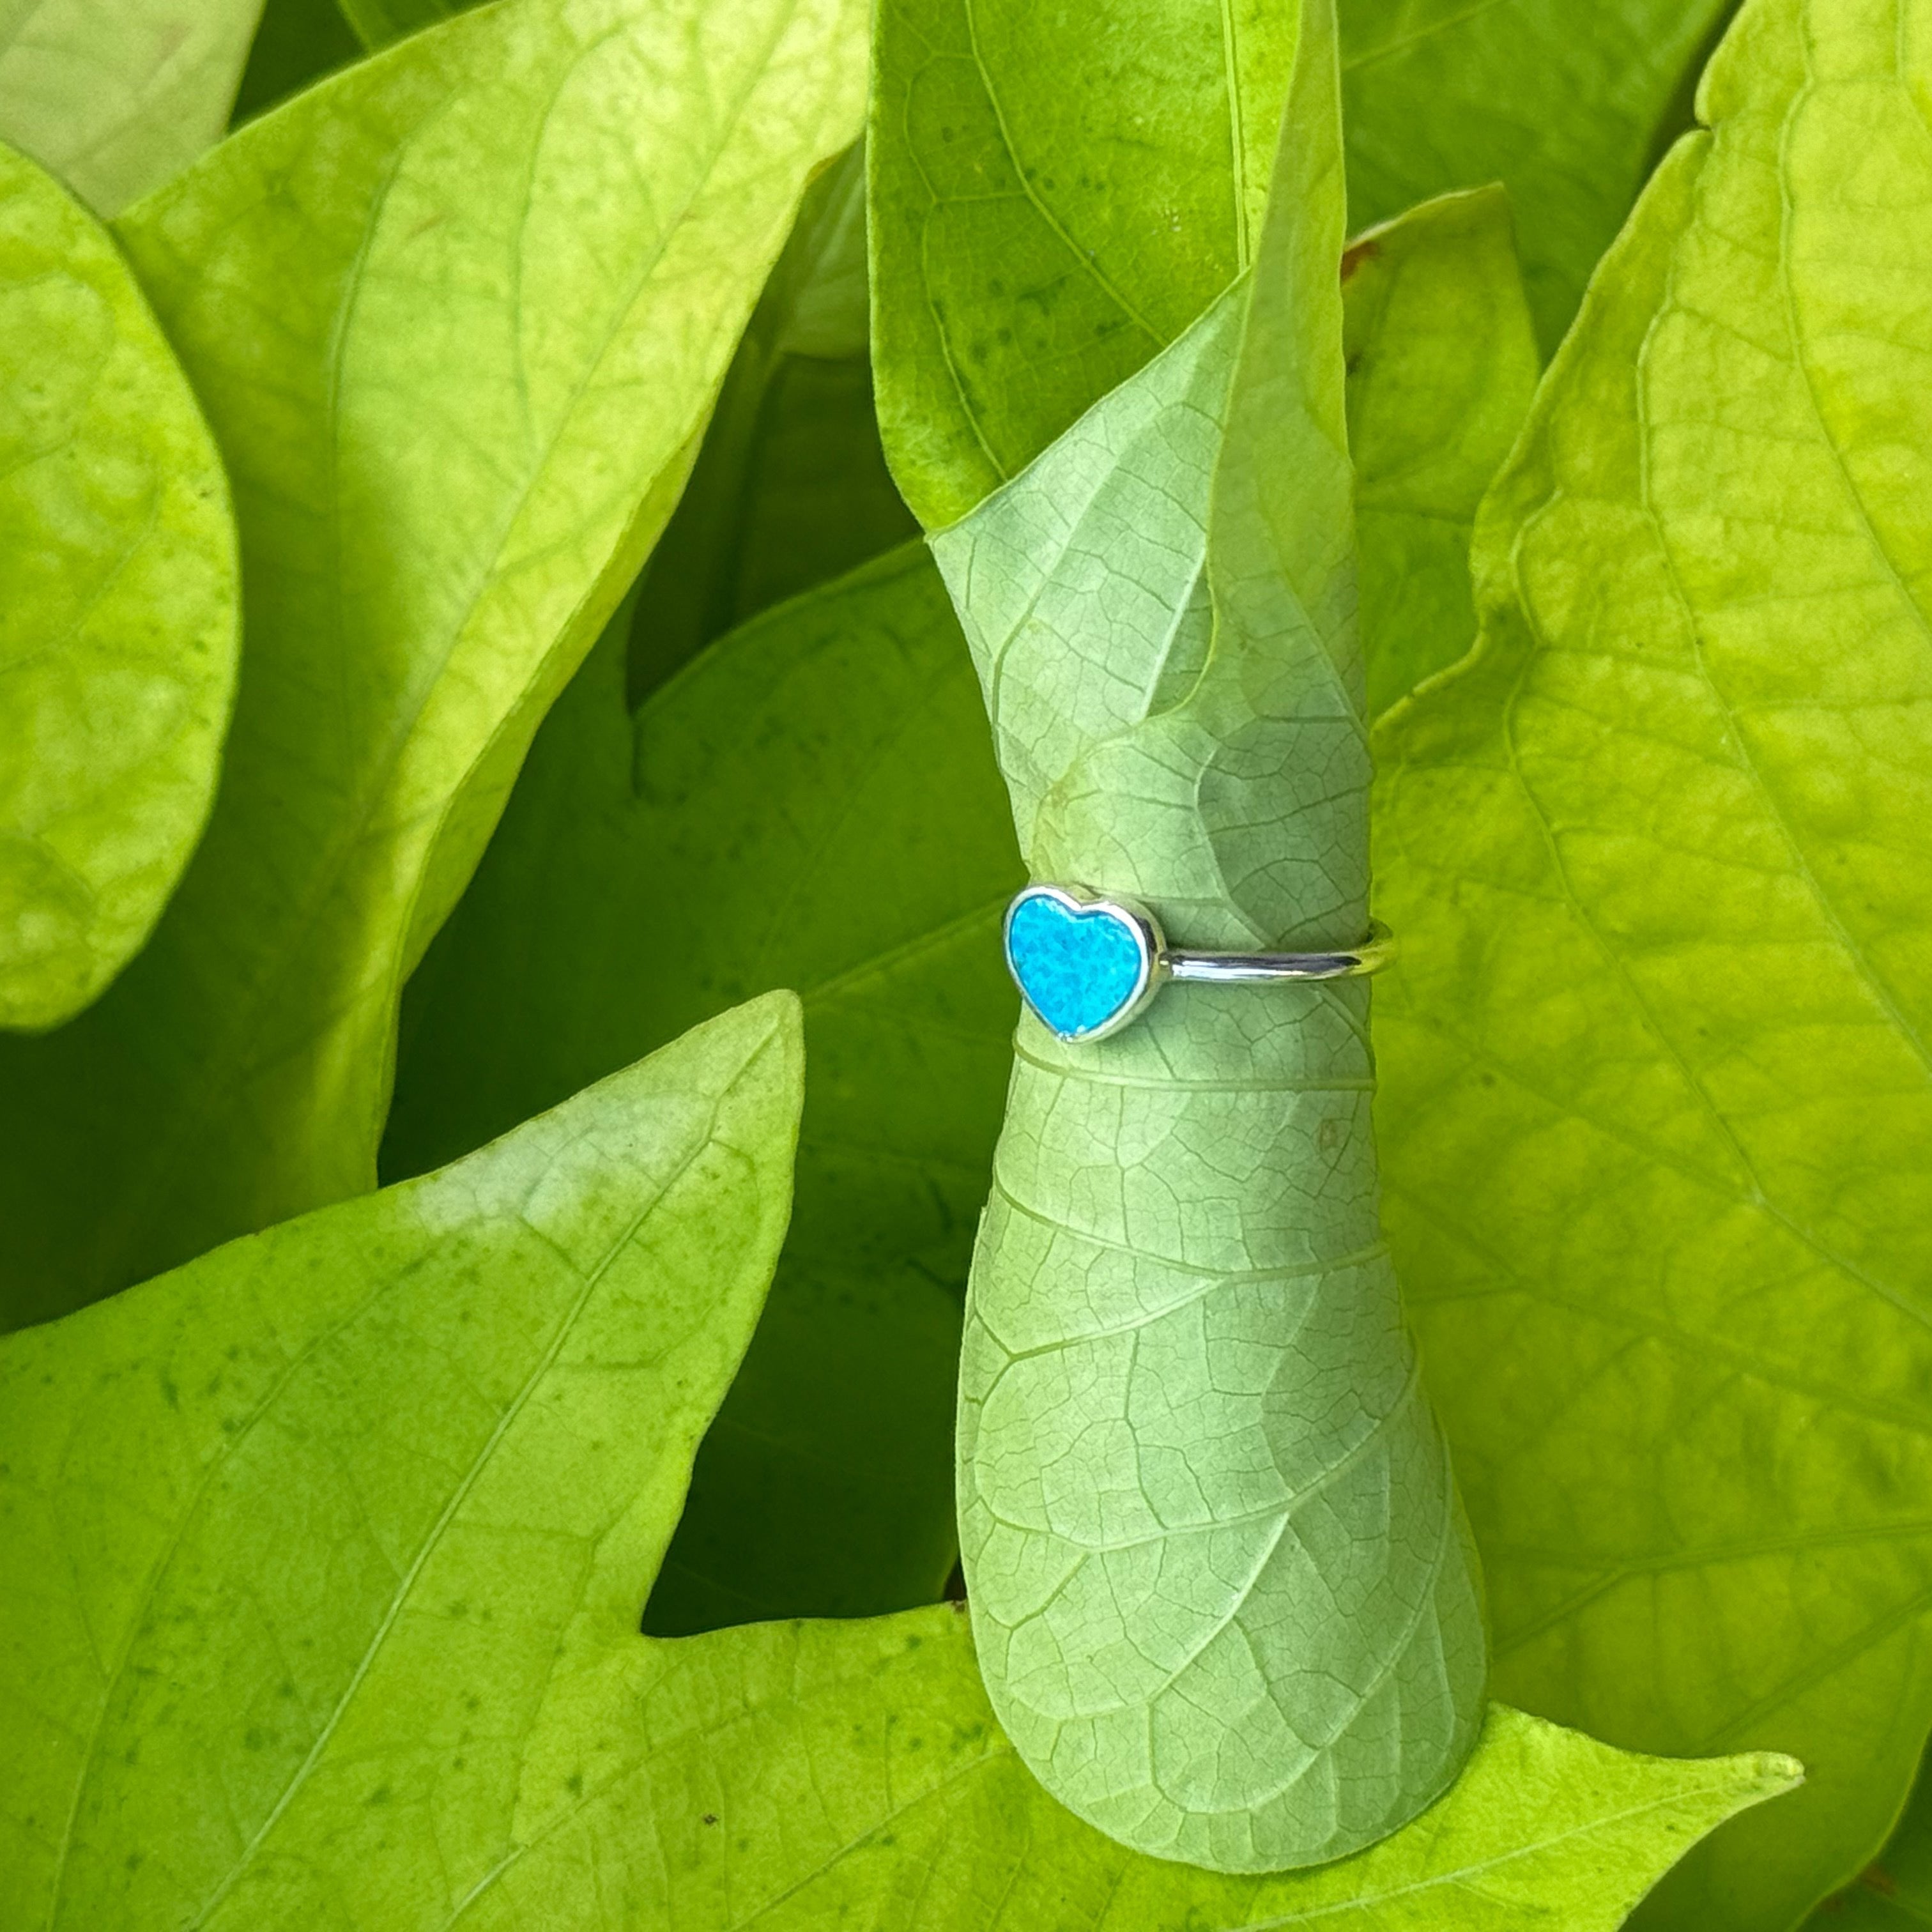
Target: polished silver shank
(1228, 969)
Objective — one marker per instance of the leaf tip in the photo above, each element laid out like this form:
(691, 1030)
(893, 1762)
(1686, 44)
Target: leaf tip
(768, 1034)
(1773, 1773)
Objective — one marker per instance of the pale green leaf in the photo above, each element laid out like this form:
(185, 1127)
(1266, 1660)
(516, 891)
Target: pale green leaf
(458, 317)
(1442, 366)
(119, 606)
(325, 1551)
(1057, 194)
(813, 804)
(1658, 1108)
(1564, 103)
(1224, 1599)
(329, 1548)
(114, 96)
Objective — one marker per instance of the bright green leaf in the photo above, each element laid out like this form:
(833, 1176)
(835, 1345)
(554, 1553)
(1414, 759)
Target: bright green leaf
(1057, 194)
(1442, 366)
(1562, 102)
(1223, 1597)
(325, 1551)
(298, 42)
(791, 486)
(813, 804)
(333, 1543)
(458, 317)
(114, 96)
(119, 605)
(875, 1789)
(1658, 1108)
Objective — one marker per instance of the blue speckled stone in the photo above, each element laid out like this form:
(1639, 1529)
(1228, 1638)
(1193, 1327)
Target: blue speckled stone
(1079, 969)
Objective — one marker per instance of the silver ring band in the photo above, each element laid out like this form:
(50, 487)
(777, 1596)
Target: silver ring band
(1234, 969)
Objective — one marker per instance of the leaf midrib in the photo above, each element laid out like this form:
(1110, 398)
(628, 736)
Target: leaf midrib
(1880, 987)
(1622, 1570)
(1692, 1084)
(230, 1444)
(565, 1327)
(1462, 1874)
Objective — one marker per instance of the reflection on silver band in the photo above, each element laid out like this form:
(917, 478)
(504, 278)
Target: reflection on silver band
(1232, 969)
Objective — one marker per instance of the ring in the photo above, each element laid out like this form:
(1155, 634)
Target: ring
(1088, 964)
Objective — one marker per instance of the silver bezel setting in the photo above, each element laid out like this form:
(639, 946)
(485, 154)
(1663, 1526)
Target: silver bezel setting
(1136, 918)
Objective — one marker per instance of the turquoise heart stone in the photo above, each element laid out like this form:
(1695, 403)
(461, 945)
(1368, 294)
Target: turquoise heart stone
(1080, 966)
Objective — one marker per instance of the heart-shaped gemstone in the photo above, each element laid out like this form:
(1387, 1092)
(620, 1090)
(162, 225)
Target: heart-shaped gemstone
(1084, 968)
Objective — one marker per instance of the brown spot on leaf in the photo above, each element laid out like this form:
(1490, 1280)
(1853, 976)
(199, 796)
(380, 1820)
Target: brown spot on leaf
(1356, 254)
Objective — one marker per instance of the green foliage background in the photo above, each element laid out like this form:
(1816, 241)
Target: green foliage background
(489, 359)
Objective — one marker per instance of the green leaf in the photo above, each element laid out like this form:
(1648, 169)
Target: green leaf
(1225, 1602)
(1053, 199)
(1658, 1110)
(1564, 105)
(791, 487)
(1442, 366)
(876, 1789)
(377, 22)
(115, 98)
(812, 804)
(327, 1549)
(298, 42)
(1055, 196)
(458, 317)
(119, 606)
(1893, 1893)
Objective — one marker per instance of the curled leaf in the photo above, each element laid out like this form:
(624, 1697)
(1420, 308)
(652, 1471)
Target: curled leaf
(1442, 366)
(1223, 1596)
(1054, 199)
